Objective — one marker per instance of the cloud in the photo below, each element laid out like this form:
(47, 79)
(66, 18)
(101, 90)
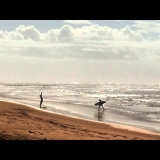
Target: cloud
(11, 35)
(78, 22)
(2, 35)
(51, 35)
(147, 27)
(131, 35)
(86, 42)
(125, 54)
(29, 32)
(66, 33)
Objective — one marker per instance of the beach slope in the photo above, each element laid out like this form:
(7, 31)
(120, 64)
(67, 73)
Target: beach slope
(21, 122)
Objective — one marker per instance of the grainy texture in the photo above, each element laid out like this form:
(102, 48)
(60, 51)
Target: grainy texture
(20, 122)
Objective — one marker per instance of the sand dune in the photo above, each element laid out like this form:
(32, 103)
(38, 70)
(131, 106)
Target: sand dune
(21, 122)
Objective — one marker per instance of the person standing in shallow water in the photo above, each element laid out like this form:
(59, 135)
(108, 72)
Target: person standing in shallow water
(41, 99)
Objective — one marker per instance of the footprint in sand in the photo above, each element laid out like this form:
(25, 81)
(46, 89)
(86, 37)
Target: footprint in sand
(115, 135)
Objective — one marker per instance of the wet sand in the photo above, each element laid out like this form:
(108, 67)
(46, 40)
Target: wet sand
(22, 122)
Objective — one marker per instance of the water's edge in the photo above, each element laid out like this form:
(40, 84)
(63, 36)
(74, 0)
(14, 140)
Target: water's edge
(112, 123)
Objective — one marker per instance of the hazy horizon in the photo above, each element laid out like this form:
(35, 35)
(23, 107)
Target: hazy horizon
(79, 51)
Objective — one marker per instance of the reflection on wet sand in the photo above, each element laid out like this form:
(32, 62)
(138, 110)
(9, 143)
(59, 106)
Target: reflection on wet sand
(99, 114)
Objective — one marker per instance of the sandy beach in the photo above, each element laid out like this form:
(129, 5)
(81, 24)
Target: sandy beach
(22, 122)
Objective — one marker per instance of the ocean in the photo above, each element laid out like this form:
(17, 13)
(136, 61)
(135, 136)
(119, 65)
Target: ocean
(135, 105)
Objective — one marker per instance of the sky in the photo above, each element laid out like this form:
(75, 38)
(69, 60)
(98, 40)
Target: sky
(80, 51)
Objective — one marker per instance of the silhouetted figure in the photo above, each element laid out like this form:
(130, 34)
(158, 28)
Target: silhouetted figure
(41, 99)
(100, 103)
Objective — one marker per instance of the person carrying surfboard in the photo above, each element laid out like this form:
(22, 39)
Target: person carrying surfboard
(100, 103)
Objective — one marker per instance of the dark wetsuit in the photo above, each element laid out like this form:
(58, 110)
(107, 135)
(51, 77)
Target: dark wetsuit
(101, 103)
(41, 99)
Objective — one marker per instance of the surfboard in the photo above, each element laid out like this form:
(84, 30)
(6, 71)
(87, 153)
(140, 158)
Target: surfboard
(99, 103)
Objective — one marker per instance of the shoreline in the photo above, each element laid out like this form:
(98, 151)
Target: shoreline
(117, 125)
(120, 125)
(21, 121)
